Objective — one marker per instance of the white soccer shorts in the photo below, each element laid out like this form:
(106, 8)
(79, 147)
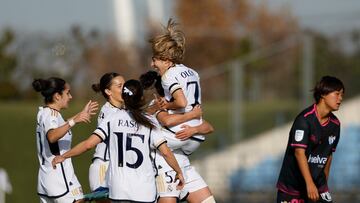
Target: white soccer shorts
(97, 174)
(74, 194)
(167, 188)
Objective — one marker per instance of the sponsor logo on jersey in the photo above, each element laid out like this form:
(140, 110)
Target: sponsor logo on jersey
(332, 138)
(299, 135)
(317, 159)
(326, 196)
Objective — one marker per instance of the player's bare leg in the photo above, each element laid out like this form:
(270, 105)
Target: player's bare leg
(167, 200)
(199, 196)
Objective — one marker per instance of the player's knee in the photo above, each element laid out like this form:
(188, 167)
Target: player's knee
(210, 199)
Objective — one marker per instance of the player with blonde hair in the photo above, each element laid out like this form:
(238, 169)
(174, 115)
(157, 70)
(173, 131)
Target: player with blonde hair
(182, 92)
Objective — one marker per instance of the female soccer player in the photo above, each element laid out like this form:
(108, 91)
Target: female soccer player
(110, 86)
(132, 139)
(151, 82)
(54, 138)
(313, 138)
(195, 189)
(181, 84)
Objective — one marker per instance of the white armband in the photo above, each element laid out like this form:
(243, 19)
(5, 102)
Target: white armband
(71, 122)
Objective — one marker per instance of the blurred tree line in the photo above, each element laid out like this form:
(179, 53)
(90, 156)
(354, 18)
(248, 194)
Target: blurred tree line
(217, 32)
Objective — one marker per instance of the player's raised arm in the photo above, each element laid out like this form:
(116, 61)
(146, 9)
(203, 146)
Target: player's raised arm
(53, 136)
(90, 109)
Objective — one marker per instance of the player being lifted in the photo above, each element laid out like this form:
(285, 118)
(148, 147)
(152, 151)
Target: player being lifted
(313, 138)
(181, 84)
(182, 92)
(195, 189)
(54, 137)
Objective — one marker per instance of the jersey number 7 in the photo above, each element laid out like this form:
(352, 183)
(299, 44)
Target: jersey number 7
(195, 91)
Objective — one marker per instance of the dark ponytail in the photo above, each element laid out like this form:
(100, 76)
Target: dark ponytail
(49, 87)
(132, 95)
(105, 83)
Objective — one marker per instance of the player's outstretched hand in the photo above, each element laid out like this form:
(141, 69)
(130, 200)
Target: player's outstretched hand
(181, 179)
(91, 107)
(56, 160)
(85, 115)
(186, 132)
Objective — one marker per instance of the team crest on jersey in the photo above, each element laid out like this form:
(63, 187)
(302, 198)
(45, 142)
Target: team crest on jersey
(299, 135)
(331, 139)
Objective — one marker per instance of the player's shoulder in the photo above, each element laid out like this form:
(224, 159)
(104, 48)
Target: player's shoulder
(308, 112)
(334, 119)
(47, 112)
(305, 115)
(114, 117)
(108, 108)
(181, 68)
(153, 120)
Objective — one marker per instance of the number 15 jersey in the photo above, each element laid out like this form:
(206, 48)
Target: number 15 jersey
(131, 173)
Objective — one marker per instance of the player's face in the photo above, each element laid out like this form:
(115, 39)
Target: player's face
(333, 99)
(115, 89)
(159, 65)
(65, 97)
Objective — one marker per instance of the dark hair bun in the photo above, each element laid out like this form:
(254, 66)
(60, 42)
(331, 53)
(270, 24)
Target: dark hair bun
(39, 85)
(148, 79)
(96, 87)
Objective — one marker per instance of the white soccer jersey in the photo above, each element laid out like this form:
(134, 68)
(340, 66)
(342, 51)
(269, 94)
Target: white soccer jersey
(131, 173)
(182, 77)
(57, 182)
(101, 149)
(100, 161)
(176, 145)
(166, 175)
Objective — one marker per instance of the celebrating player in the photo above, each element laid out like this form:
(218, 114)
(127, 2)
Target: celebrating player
(182, 92)
(313, 138)
(110, 86)
(181, 84)
(54, 138)
(132, 139)
(195, 186)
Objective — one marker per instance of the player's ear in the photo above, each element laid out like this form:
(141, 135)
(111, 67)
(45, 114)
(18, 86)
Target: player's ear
(108, 92)
(169, 63)
(57, 96)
